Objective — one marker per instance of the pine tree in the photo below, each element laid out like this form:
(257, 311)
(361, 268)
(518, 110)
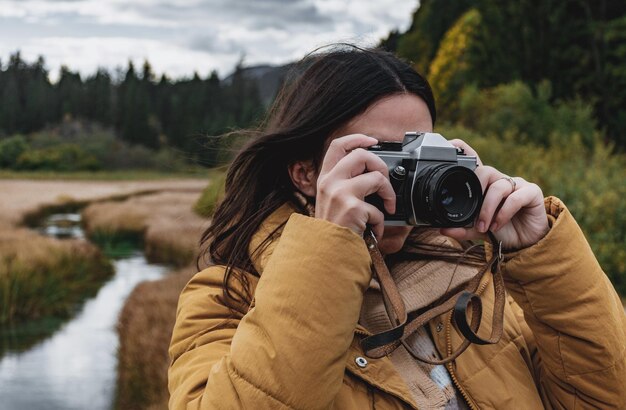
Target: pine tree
(69, 94)
(98, 97)
(134, 108)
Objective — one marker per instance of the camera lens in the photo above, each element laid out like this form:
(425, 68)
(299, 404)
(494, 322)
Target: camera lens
(447, 195)
(454, 195)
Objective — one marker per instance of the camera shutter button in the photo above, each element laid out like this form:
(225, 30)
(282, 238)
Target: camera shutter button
(399, 172)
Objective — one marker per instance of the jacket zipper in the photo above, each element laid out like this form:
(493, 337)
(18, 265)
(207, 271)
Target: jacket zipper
(449, 366)
(468, 399)
(358, 331)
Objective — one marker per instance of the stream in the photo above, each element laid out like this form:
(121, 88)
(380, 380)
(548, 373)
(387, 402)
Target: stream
(75, 368)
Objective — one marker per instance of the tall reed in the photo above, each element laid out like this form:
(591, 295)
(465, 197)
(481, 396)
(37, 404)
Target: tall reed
(163, 222)
(145, 329)
(42, 277)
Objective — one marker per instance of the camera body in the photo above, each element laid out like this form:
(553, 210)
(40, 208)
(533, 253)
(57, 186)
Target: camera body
(434, 182)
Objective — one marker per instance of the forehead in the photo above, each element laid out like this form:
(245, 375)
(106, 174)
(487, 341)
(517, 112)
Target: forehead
(389, 118)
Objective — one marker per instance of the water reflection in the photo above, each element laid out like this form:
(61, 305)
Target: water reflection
(64, 226)
(75, 368)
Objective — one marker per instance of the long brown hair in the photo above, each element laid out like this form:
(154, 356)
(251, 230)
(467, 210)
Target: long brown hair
(322, 93)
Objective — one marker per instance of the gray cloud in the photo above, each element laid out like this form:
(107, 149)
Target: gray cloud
(72, 24)
(186, 35)
(212, 44)
(291, 12)
(256, 14)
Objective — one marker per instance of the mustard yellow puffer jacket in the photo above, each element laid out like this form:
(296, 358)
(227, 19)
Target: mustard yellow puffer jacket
(297, 345)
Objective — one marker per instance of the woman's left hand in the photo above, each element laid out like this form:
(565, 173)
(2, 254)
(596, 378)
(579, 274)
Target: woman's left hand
(512, 209)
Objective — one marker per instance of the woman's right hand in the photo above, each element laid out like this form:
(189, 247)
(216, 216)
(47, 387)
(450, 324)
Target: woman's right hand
(349, 173)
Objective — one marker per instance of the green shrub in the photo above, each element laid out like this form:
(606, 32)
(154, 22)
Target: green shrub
(119, 155)
(515, 109)
(10, 149)
(590, 181)
(110, 152)
(64, 157)
(211, 196)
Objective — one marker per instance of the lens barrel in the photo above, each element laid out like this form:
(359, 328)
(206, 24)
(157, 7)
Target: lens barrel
(447, 195)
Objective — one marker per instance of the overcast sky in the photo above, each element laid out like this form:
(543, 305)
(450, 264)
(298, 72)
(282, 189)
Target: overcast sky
(183, 36)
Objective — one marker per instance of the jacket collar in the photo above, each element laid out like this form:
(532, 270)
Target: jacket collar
(273, 224)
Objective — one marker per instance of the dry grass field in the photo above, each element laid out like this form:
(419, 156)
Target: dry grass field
(166, 221)
(22, 197)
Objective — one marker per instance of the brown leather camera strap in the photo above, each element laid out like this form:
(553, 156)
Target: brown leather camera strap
(383, 343)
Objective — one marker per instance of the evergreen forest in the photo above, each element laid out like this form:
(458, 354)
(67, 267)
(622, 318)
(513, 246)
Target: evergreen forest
(131, 113)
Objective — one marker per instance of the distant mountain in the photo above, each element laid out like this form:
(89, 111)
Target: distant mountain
(267, 77)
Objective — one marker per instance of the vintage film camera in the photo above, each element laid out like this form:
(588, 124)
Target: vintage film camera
(434, 182)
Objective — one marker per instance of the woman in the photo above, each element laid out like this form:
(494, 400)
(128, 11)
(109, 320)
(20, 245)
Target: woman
(278, 320)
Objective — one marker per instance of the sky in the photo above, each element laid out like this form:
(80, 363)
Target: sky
(186, 36)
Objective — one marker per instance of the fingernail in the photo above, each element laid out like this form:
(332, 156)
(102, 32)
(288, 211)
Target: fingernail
(494, 227)
(481, 226)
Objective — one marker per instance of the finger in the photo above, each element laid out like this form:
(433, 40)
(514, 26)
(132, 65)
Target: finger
(525, 196)
(375, 219)
(496, 192)
(340, 147)
(468, 150)
(366, 214)
(357, 162)
(374, 183)
(488, 175)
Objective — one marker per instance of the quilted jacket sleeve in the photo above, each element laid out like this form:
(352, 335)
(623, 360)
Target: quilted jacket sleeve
(289, 350)
(577, 320)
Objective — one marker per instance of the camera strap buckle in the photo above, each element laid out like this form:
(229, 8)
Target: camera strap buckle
(498, 256)
(370, 239)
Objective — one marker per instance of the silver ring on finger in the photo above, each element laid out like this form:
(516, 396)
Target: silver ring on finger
(511, 181)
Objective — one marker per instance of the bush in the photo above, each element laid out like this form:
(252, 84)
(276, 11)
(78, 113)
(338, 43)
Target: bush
(590, 181)
(10, 149)
(64, 157)
(109, 151)
(211, 196)
(530, 116)
(118, 155)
